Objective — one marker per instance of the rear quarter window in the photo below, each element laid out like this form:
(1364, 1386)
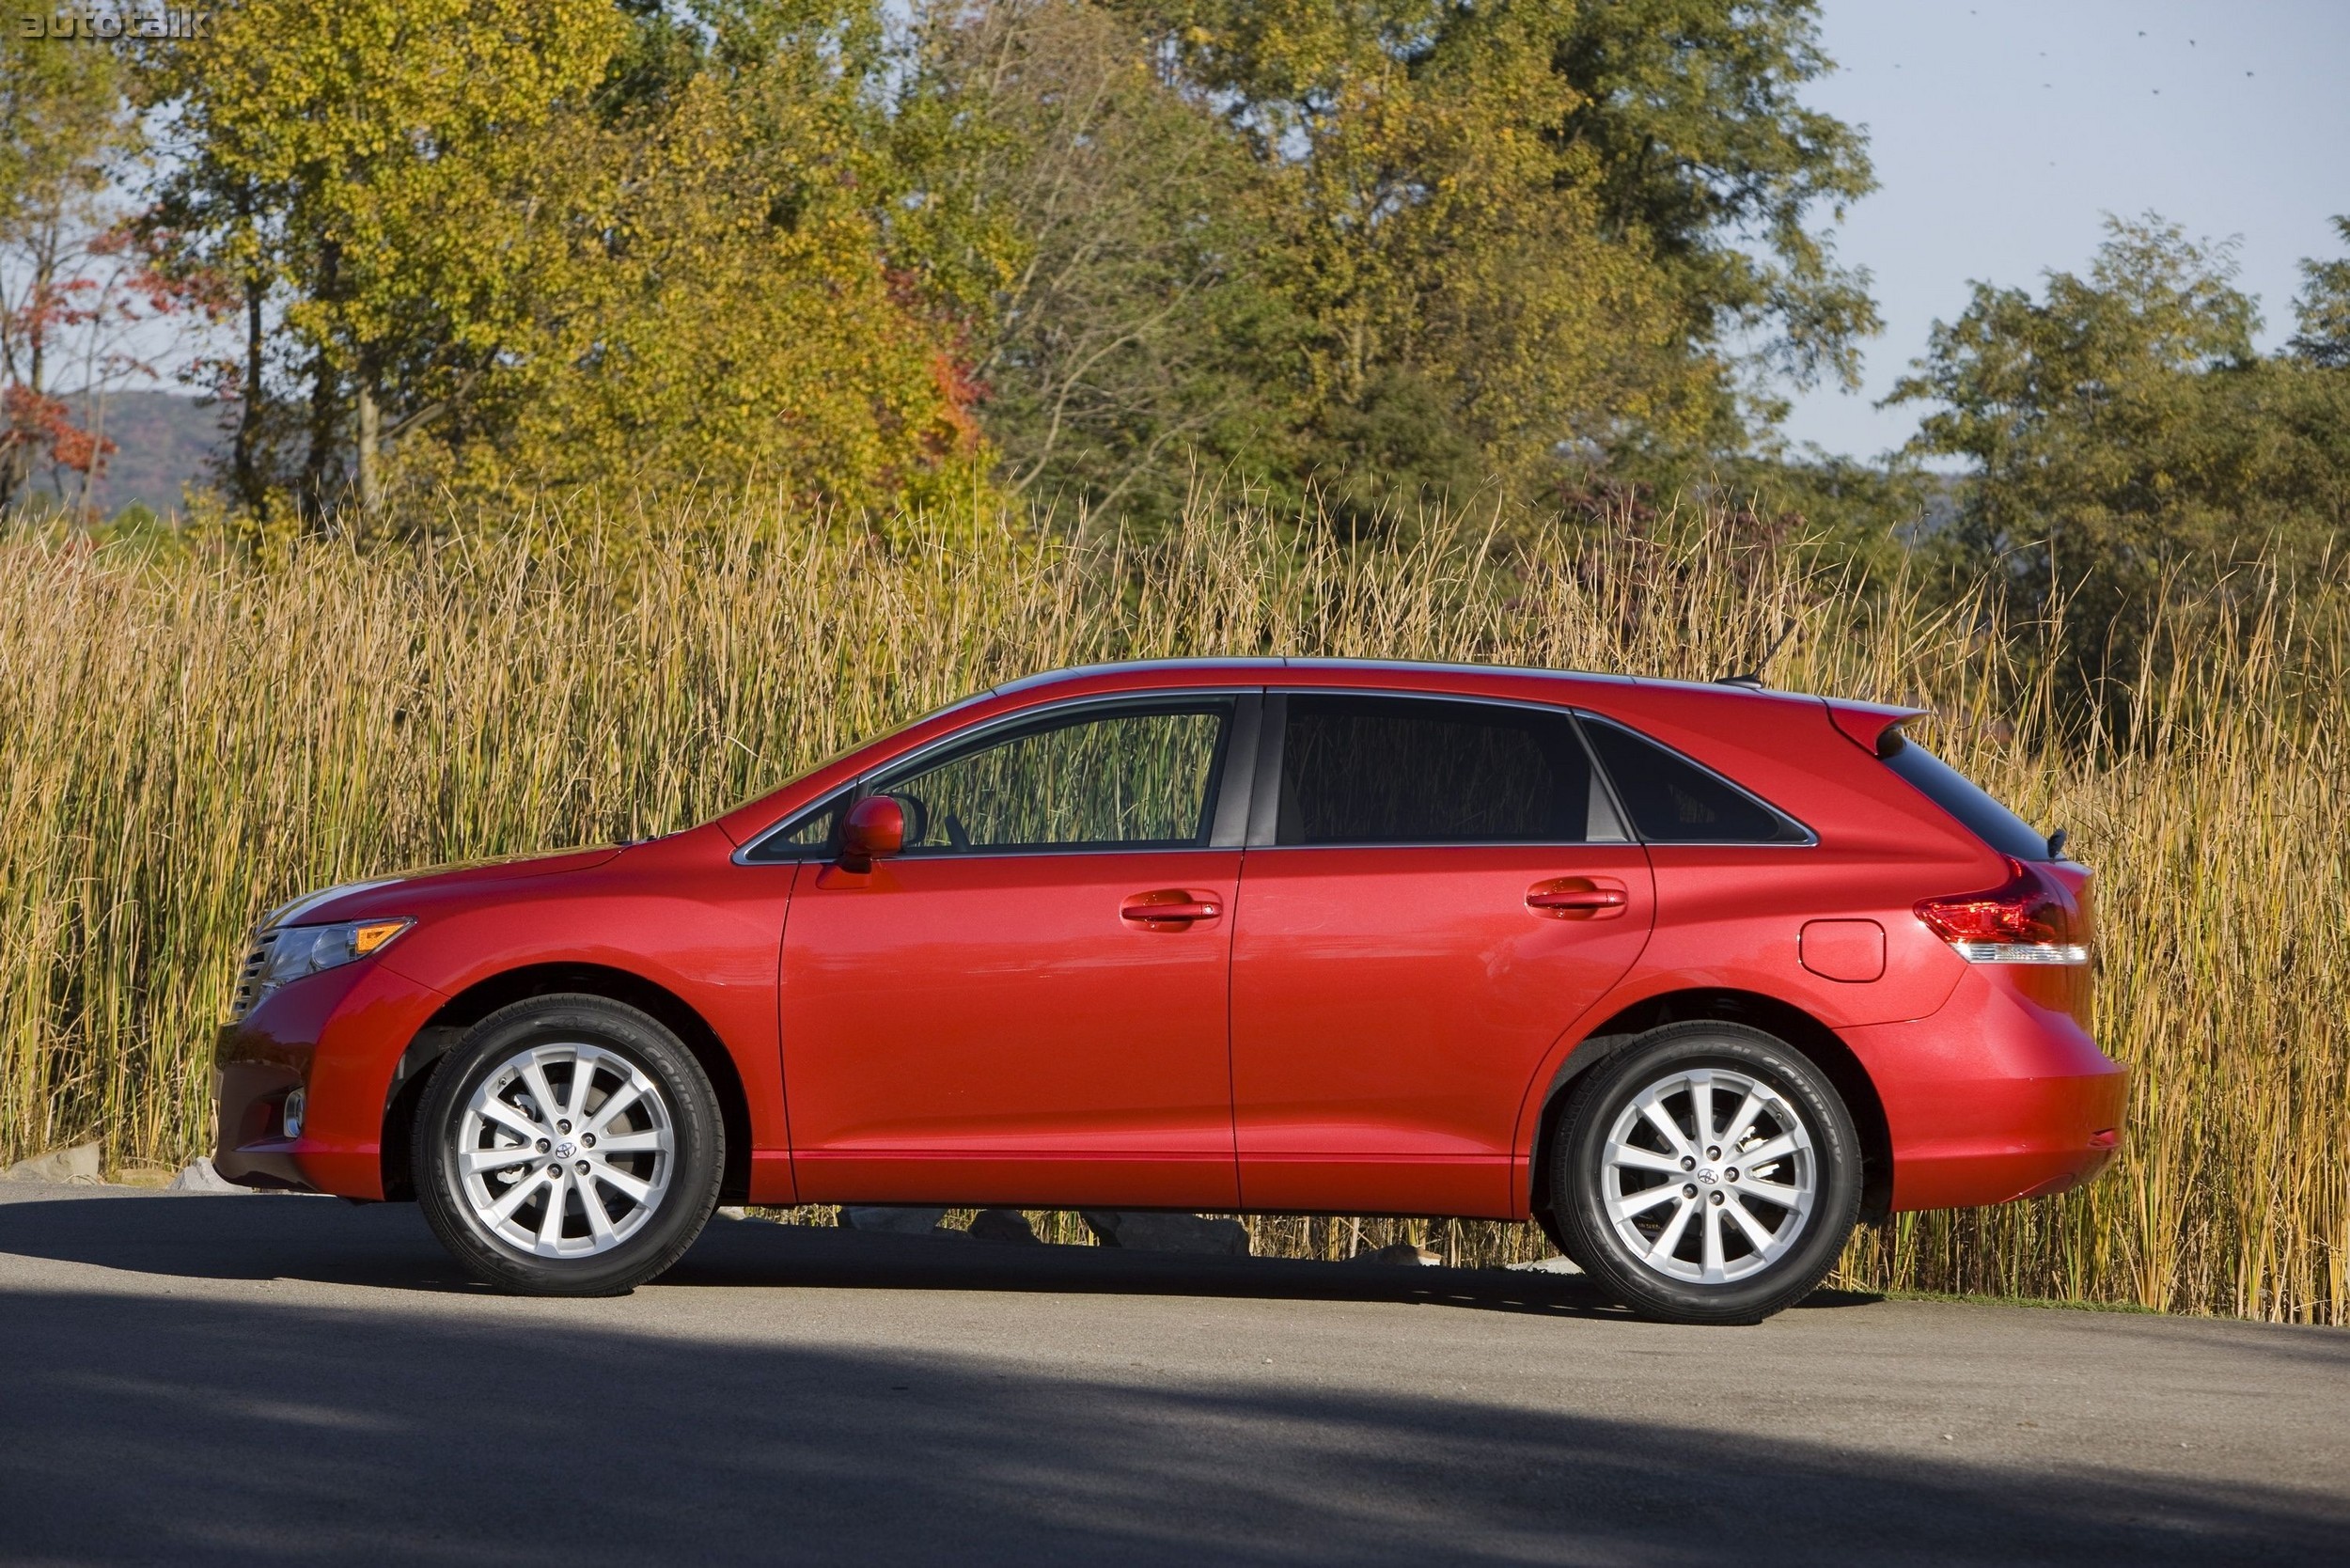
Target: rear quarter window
(1976, 811)
(1675, 800)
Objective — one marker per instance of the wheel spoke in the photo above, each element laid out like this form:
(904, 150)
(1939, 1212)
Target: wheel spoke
(599, 1220)
(513, 1198)
(541, 1093)
(1670, 1236)
(1701, 1107)
(480, 1161)
(620, 1099)
(551, 1223)
(1742, 1120)
(1642, 1202)
(1763, 1154)
(1761, 1240)
(583, 1074)
(1664, 1124)
(1712, 1255)
(653, 1142)
(621, 1179)
(1633, 1158)
(1773, 1192)
(494, 1110)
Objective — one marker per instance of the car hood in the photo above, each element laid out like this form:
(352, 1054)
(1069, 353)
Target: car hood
(376, 895)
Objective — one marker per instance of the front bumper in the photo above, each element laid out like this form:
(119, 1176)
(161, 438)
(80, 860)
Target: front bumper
(1994, 1097)
(339, 1035)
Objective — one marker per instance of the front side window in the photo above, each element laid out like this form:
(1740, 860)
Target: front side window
(1126, 778)
(1378, 770)
(1674, 801)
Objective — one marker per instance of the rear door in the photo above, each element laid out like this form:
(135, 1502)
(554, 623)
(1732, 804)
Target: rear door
(1434, 889)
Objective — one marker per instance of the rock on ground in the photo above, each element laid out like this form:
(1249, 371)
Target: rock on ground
(1557, 1265)
(1147, 1231)
(197, 1175)
(75, 1166)
(1410, 1254)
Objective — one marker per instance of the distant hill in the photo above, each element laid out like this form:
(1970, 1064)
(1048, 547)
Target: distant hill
(164, 440)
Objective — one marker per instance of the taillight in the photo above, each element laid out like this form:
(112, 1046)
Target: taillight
(2029, 918)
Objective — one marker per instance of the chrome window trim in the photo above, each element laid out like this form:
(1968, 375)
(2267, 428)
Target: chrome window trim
(1243, 700)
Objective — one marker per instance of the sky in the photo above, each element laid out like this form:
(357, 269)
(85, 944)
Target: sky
(2003, 132)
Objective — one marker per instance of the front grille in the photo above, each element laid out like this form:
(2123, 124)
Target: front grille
(249, 978)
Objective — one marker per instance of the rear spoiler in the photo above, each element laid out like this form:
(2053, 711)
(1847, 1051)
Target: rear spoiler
(1873, 727)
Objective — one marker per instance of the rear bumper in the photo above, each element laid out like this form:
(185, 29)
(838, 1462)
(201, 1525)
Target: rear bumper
(1993, 1098)
(339, 1036)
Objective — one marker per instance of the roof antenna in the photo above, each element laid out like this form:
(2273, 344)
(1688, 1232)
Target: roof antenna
(1752, 680)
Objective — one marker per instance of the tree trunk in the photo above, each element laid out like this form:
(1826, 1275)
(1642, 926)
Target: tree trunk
(325, 403)
(371, 437)
(244, 462)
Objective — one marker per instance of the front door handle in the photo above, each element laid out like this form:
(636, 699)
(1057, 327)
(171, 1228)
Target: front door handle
(1173, 906)
(1579, 897)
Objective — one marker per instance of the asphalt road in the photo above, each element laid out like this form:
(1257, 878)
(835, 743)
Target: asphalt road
(261, 1380)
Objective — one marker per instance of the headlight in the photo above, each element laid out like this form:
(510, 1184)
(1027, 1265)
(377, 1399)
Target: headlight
(300, 950)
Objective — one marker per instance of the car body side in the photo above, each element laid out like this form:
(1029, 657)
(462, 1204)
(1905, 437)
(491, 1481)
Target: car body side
(1971, 1083)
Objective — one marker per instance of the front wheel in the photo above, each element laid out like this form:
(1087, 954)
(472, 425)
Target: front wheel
(570, 1146)
(1709, 1173)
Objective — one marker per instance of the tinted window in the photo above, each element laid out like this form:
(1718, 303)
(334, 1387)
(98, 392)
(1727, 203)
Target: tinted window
(813, 836)
(1130, 778)
(1952, 790)
(1673, 801)
(1369, 770)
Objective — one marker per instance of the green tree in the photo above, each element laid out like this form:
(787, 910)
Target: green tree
(2323, 309)
(1126, 328)
(2127, 443)
(519, 243)
(1520, 232)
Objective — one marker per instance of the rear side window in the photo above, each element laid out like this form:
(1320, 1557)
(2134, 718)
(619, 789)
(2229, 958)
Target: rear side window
(1674, 801)
(1980, 815)
(1376, 770)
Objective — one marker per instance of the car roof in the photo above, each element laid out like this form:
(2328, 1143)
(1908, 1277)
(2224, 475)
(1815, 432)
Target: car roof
(1262, 667)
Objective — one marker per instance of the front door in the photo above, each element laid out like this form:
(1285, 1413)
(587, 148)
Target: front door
(1028, 1005)
(1447, 888)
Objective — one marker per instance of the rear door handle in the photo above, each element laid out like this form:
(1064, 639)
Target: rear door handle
(1173, 905)
(1579, 897)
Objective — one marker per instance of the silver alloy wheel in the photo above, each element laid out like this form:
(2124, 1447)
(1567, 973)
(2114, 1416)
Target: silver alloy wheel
(1709, 1175)
(565, 1149)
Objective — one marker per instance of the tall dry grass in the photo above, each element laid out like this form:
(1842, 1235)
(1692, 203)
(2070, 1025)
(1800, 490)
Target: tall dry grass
(189, 741)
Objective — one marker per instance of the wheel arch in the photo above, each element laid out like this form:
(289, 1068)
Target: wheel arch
(1819, 1045)
(440, 1033)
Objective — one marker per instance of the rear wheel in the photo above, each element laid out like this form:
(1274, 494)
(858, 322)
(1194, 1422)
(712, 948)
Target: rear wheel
(570, 1146)
(1709, 1173)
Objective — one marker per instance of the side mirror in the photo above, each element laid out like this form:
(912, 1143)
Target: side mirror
(875, 827)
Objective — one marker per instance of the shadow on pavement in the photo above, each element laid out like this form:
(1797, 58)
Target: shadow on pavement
(387, 1245)
(141, 1427)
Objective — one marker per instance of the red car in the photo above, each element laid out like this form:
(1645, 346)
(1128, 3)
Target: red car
(1694, 976)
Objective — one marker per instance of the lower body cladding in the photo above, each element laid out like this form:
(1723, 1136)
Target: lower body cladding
(1994, 1097)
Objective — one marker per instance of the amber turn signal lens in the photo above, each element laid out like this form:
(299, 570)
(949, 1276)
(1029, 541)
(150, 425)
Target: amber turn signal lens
(368, 935)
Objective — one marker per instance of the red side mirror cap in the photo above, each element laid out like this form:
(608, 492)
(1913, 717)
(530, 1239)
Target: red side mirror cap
(875, 826)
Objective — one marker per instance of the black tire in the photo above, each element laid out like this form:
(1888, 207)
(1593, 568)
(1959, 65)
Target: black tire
(619, 1048)
(1794, 1106)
